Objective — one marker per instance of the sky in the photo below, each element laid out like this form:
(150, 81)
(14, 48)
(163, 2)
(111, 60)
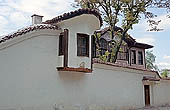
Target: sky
(16, 14)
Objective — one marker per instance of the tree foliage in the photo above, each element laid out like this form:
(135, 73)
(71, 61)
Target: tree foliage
(125, 12)
(150, 60)
(165, 73)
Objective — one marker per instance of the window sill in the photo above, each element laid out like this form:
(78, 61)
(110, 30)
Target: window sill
(83, 56)
(84, 70)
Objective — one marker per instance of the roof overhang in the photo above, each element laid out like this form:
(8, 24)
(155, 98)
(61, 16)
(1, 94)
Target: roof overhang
(75, 13)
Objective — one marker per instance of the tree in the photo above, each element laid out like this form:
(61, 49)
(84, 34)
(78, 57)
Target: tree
(150, 60)
(126, 12)
(165, 73)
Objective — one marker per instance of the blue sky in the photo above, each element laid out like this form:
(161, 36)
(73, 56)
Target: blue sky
(16, 14)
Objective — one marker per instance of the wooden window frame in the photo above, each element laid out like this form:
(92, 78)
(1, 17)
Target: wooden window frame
(81, 36)
(140, 58)
(133, 59)
(123, 55)
(61, 44)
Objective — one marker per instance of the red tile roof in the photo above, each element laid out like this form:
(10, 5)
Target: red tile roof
(168, 78)
(75, 13)
(150, 78)
(96, 60)
(26, 30)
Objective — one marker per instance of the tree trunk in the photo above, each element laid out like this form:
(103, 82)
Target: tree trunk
(118, 46)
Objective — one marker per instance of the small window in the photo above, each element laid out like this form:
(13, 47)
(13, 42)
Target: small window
(61, 46)
(82, 44)
(133, 56)
(140, 58)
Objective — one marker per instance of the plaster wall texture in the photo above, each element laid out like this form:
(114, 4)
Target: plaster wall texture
(161, 93)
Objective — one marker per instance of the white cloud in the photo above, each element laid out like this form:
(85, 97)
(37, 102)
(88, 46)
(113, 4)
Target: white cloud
(3, 21)
(46, 8)
(164, 65)
(3, 24)
(166, 57)
(148, 39)
(19, 19)
(15, 14)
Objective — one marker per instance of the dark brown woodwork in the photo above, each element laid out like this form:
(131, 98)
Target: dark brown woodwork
(84, 70)
(66, 32)
(80, 46)
(92, 51)
(61, 44)
(147, 95)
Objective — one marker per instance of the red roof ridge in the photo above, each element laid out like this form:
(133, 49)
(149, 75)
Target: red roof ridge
(96, 60)
(26, 30)
(75, 13)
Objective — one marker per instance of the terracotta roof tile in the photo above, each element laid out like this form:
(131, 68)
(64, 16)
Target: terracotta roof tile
(72, 14)
(97, 60)
(150, 78)
(26, 30)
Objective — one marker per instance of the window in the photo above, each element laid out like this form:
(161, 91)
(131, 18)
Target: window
(61, 46)
(93, 47)
(103, 46)
(140, 58)
(123, 53)
(82, 44)
(133, 56)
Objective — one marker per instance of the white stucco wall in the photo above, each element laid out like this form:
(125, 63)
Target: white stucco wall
(29, 81)
(86, 24)
(161, 93)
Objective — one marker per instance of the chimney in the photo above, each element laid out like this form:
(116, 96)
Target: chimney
(36, 19)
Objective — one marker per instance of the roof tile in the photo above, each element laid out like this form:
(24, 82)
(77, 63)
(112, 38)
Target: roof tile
(26, 30)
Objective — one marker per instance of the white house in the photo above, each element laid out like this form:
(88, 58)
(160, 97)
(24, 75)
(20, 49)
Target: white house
(49, 66)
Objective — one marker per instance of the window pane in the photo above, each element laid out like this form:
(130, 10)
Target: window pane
(82, 45)
(133, 56)
(140, 58)
(61, 48)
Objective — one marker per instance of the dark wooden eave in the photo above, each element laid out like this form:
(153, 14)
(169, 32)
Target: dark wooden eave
(142, 45)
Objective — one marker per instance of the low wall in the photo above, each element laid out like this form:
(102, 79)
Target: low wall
(161, 93)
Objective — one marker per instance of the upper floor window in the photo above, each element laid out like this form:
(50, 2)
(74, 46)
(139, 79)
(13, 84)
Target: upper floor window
(140, 58)
(82, 44)
(133, 56)
(123, 53)
(61, 46)
(103, 46)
